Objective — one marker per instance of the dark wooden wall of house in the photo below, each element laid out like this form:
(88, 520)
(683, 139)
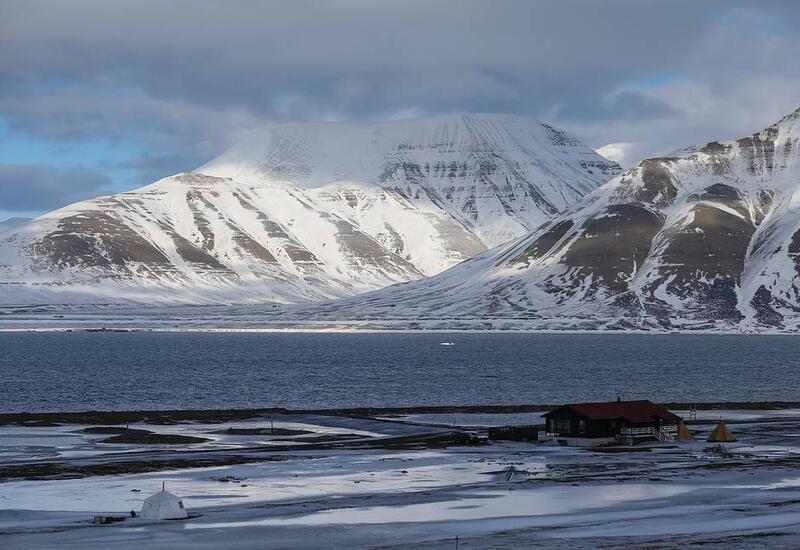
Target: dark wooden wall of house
(593, 428)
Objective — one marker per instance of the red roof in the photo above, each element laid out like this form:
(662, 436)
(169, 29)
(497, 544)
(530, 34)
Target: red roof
(633, 411)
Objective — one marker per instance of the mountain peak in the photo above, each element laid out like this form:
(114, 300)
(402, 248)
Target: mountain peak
(308, 211)
(794, 115)
(706, 239)
(312, 154)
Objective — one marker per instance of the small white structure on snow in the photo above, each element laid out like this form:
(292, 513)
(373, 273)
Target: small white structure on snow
(163, 505)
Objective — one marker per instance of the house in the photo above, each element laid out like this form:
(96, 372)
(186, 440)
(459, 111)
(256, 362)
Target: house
(591, 424)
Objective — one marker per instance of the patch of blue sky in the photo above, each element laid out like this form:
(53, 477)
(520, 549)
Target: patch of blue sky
(19, 148)
(653, 81)
(101, 155)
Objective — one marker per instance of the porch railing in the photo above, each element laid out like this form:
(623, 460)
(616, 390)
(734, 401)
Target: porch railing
(663, 433)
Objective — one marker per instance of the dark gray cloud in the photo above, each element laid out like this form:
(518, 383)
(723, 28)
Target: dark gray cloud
(620, 106)
(30, 187)
(183, 79)
(157, 164)
(287, 60)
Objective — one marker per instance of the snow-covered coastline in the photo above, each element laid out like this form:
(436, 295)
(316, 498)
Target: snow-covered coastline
(669, 496)
(274, 319)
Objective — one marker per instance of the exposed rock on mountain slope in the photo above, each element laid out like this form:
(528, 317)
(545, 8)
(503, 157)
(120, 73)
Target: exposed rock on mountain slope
(305, 212)
(708, 238)
(497, 175)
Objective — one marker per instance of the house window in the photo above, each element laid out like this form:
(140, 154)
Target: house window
(582, 426)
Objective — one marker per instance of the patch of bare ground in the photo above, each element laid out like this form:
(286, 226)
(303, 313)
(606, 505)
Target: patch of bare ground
(149, 461)
(110, 430)
(323, 438)
(61, 470)
(263, 431)
(143, 437)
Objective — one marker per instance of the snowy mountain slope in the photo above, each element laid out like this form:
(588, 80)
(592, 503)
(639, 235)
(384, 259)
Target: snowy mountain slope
(334, 210)
(11, 223)
(497, 175)
(708, 238)
(204, 239)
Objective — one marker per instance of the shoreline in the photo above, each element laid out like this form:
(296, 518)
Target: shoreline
(177, 416)
(357, 330)
(407, 475)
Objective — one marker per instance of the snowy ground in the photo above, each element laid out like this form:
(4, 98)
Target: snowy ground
(373, 488)
(297, 318)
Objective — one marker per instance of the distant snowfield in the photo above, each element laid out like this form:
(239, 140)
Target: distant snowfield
(316, 318)
(675, 495)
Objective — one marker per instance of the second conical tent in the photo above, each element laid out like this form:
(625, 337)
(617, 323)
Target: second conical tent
(721, 434)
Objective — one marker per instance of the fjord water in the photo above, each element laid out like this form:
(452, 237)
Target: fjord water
(119, 371)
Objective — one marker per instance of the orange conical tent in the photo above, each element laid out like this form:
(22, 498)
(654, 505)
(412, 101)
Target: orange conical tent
(684, 433)
(721, 434)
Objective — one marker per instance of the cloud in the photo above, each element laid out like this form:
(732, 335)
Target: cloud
(182, 80)
(357, 59)
(31, 187)
(620, 106)
(623, 153)
(164, 126)
(166, 163)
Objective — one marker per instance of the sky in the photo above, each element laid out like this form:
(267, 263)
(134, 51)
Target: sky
(103, 96)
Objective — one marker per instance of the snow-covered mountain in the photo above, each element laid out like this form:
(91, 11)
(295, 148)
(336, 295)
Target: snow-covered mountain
(11, 223)
(498, 176)
(706, 238)
(307, 211)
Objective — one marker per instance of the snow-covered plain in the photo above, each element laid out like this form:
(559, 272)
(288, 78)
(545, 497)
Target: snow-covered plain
(673, 495)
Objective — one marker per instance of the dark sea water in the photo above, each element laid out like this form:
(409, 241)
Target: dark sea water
(115, 371)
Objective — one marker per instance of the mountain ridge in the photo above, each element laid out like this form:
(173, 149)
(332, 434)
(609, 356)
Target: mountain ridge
(420, 196)
(507, 153)
(704, 239)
